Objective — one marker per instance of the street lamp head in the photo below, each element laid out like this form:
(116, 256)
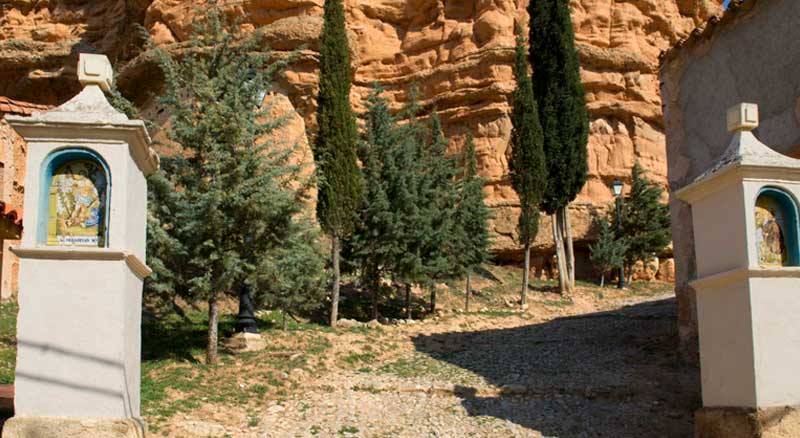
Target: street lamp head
(616, 187)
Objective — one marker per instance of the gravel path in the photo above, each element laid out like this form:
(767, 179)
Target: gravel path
(607, 374)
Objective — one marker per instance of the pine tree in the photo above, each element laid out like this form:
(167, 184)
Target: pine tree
(527, 163)
(645, 220)
(609, 251)
(375, 240)
(226, 200)
(339, 182)
(438, 195)
(564, 118)
(406, 195)
(292, 277)
(472, 218)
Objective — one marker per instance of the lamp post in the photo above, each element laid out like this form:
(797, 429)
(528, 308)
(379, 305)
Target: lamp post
(616, 187)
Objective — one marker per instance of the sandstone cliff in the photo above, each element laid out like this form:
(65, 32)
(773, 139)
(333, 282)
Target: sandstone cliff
(458, 52)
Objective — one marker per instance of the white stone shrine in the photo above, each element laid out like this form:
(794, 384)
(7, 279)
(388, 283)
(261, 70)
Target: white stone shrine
(81, 266)
(745, 221)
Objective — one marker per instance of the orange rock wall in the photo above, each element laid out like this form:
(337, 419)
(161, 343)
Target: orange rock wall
(458, 52)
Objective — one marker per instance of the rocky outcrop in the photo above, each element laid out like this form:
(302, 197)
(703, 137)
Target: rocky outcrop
(457, 52)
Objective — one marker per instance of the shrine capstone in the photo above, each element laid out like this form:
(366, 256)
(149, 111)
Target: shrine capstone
(745, 221)
(81, 266)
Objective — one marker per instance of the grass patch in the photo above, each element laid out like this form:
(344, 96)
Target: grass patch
(348, 430)
(175, 380)
(423, 365)
(8, 341)
(355, 358)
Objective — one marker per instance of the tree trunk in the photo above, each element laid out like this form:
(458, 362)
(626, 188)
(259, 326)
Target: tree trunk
(525, 276)
(433, 299)
(468, 291)
(376, 286)
(569, 247)
(283, 323)
(602, 280)
(336, 279)
(408, 301)
(212, 353)
(559, 243)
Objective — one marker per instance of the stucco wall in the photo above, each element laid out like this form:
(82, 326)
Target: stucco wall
(754, 58)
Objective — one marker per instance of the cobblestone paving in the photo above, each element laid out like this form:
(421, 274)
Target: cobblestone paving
(608, 374)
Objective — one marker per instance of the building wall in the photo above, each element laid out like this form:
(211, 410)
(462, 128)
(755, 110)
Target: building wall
(750, 56)
(12, 177)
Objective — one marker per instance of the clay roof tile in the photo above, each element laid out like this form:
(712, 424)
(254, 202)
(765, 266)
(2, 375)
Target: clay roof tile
(12, 106)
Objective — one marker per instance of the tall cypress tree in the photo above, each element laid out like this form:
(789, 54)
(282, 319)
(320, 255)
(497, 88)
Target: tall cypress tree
(340, 181)
(564, 118)
(527, 163)
(472, 217)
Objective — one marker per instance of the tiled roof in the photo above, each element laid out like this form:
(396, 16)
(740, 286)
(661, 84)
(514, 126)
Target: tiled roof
(11, 106)
(709, 29)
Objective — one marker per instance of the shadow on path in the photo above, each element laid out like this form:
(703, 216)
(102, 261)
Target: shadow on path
(611, 374)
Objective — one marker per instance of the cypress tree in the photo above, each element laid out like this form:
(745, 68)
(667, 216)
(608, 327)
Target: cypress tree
(527, 163)
(224, 202)
(339, 178)
(472, 217)
(564, 118)
(645, 220)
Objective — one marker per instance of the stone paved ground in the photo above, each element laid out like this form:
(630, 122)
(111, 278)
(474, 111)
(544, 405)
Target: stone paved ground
(611, 373)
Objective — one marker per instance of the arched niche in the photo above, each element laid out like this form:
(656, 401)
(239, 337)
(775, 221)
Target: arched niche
(74, 200)
(776, 233)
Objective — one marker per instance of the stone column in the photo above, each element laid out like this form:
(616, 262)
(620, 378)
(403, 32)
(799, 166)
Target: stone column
(81, 267)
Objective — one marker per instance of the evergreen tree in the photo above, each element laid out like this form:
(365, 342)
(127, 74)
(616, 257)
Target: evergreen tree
(527, 163)
(405, 192)
(564, 118)
(292, 277)
(375, 240)
(339, 182)
(608, 252)
(225, 200)
(645, 220)
(472, 218)
(438, 195)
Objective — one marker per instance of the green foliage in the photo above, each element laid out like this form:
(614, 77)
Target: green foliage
(437, 199)
(339, 182)
(608, 252)
(293, 277)
(645, 219)
(527, 162)
(377, 242)
(8, 342)
(472, 215)
(562, 104)
(226, 201)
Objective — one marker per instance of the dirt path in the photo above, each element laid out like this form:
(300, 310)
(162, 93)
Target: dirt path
(610, 373)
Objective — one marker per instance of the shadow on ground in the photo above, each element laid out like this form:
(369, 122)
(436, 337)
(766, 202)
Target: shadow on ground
(611, 374)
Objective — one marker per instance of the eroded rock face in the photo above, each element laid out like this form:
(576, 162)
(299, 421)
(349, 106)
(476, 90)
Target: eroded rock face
(457, 52)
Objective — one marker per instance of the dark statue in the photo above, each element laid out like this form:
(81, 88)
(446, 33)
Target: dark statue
(246, 319)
